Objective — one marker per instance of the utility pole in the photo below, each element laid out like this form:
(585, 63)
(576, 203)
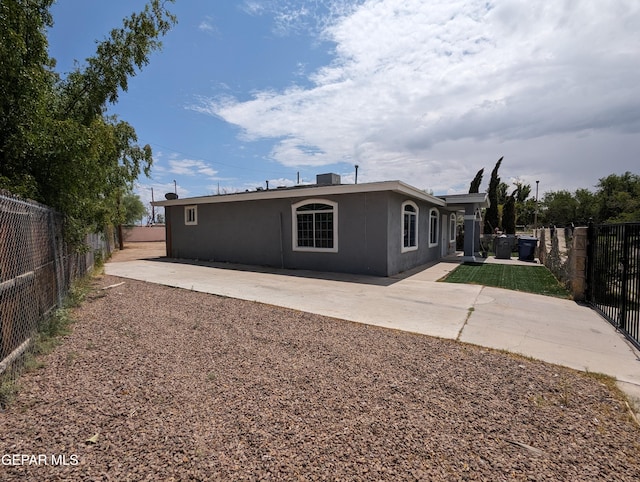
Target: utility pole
(535, 222)
(356, 174)
(175, 187)
(153, 209)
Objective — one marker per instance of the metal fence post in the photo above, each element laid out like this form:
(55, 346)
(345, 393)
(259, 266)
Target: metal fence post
(56, 261)
(588, 292)
(624, 295)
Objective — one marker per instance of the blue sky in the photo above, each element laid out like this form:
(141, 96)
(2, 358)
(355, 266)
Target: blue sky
(423, 91)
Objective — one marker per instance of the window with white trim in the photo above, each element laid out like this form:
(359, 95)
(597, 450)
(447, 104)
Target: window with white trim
(315, 225)
(434, 227)
(191, 215)
(452, 227)
(409, 226)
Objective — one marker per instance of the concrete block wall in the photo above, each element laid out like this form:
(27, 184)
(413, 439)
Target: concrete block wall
(569, 267)
(541, 250)
(136, 234)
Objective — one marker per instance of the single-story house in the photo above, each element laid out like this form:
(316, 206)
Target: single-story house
(378, 228)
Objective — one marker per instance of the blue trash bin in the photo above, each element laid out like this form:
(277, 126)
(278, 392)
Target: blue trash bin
(527, 248)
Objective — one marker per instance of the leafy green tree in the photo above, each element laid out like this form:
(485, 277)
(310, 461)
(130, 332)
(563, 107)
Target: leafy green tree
(57, 144)
(133, 208)
(491, 220)
(26, 83)
(521, 192)
(559, 208)
(619, 198)
(502, 193)
(526, 212)
(87, 91)
(586, 207)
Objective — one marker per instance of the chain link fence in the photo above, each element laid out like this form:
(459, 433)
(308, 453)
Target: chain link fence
(36, 270)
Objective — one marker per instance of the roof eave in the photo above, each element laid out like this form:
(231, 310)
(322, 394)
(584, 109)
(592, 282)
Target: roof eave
(459, 201)
(315, 190)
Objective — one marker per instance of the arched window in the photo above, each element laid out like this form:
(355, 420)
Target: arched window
(315, 225)
(409, 226)
(434, 227)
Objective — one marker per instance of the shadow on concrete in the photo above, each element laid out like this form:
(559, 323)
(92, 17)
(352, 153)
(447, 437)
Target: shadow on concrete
(324, 275)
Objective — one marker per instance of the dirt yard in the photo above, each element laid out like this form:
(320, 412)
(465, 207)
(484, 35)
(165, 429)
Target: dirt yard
(139, 250)
(158, 383)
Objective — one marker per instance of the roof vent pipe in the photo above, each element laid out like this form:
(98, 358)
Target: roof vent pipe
(356, 174)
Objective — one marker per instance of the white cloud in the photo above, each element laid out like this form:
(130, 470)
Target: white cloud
(207, 25)
(432, 90)
(253, 7)
(190, 167)
(294, 16)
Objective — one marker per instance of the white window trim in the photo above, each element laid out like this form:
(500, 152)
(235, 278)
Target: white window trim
(403, 248)
(437, 233)
(195, 215)
(294, 226)
(453, 223)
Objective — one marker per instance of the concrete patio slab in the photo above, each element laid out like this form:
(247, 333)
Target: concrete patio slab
(551, 329)
(405, 304)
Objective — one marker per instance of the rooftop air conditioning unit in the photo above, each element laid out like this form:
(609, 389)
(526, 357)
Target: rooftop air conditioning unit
(328, 179)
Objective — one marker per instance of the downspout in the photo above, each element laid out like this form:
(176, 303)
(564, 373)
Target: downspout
(281, 242)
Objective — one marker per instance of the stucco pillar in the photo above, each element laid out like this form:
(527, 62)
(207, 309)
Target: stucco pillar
(578, 263)
(471, 233)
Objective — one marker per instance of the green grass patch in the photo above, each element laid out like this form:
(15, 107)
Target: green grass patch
(531, 279)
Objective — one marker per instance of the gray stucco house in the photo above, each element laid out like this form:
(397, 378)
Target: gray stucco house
(379, 228)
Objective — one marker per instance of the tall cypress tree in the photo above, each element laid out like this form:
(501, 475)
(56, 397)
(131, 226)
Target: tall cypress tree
(475, 184)
(491, 218)
(509, 215)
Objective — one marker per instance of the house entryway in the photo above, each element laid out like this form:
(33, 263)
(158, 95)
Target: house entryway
(444, 236)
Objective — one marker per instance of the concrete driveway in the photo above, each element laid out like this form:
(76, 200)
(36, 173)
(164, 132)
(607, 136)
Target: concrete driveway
(550, 329)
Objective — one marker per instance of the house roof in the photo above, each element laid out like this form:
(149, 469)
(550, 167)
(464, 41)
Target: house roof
(309, 190)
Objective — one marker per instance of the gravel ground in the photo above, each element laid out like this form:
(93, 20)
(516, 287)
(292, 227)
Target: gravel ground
(158, 383)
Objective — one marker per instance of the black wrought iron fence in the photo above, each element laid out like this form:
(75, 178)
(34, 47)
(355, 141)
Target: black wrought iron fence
(36, 271)
(613, 275)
